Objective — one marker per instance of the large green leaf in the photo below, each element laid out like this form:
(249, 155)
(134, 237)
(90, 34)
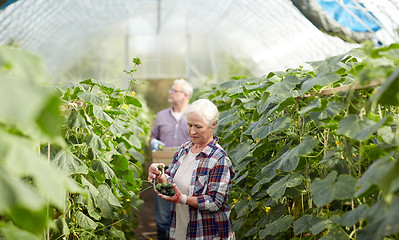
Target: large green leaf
(85, 221)
(69, 163)
(336, 234)
(117, 128)
(331, 188)
(280, 225)
(100, 114)
(387, 93)
(76, 120)
(382, 220)
(49, 118)
(304, 223)
(15, 192)
(106, 193)
(353, 217)
(358, 128)
(102, 167)
(93, 98)
(95, 142)
(320, 80)
(132, 100)
(278, 124)
(290, 159)
(34, 221)
(117, 233)
(278, 188)
(320, 226)
(11, 232)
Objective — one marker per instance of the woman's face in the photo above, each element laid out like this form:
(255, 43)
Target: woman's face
(198, 129)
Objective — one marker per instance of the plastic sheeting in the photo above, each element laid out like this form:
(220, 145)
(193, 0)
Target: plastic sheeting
(198, 40)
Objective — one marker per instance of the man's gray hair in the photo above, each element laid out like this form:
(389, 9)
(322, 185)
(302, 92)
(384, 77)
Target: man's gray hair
(185, 87)
(206, 109)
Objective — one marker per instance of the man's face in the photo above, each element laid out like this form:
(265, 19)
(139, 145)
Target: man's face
(175, 94)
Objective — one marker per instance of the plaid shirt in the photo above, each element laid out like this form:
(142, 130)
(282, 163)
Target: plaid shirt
(211, 183)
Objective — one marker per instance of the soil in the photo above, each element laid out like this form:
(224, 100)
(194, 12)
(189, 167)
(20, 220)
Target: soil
(147, 227)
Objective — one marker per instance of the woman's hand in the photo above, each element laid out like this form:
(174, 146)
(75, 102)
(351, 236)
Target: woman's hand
(154, 172)
(177, 198)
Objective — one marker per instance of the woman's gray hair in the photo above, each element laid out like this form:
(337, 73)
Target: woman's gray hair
(185, 87)
(206, 109)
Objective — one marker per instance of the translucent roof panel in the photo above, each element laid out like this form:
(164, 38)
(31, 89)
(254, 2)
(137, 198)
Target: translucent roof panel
(193, 39)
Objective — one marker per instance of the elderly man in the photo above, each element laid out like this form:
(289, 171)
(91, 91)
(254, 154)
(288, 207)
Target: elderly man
(170, 130)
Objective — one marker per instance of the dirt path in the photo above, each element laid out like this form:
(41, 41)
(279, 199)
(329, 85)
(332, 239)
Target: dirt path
(147, 226)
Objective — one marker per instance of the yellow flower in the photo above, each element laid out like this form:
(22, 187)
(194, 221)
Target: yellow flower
(127, 200)
(249, 198)
(268, 209)
(342, 157)
(234, 200)
(124, 106)
(132, 93)
(109, 107)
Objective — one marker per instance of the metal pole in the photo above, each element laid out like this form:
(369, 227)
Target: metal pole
(188, 47)
(127, 57)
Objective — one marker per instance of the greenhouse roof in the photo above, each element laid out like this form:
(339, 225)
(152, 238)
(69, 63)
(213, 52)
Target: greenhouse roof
(181, 38)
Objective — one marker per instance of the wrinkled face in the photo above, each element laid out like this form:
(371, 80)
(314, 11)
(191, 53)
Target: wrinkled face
(199, 130)
(175, 94)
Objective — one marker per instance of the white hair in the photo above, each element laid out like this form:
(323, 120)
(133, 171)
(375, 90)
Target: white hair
(185, 87)
(206, 109)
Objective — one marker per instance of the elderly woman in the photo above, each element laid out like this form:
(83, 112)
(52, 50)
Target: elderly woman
(201, 173)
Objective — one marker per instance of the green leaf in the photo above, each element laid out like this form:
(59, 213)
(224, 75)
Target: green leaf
(320, 80)
(106, 193)
(336, 234)
(100, 114)
(92, 189)
(332, 188)
(136, 61)
(95, 142)
(358, 128)
(93, 98)
(290, 159)
(278, 189)
(310, 106)
(69, 163)
(132, 100)
(117, 129)
(320, 226)
(62, 226)
(280, 225)
(382, 220)
(278, 124)
(85, 222)
(353, 217)
(11, 232)
(117, 233)
(16, 193)
(34, 221)
(135, 141)
(304, 223)
(49, 118)
(239, 153)
(102, 167)
(387, 93)
(76, 120)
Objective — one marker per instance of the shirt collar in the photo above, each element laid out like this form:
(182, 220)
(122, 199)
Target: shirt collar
(208, 148)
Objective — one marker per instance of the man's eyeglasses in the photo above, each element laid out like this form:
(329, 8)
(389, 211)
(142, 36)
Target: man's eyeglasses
(173, 90)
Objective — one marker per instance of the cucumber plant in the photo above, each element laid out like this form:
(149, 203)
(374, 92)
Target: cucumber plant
(315, 150)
